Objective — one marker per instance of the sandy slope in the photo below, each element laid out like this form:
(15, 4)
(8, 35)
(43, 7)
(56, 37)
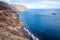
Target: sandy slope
(5, 34)
(12, 34)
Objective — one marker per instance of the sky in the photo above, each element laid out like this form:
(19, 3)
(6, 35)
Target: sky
(37, 4)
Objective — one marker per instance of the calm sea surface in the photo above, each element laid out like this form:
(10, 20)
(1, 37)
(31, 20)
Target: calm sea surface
(43, 23)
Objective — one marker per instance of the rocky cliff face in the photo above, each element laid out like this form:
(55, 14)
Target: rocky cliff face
(9, 24)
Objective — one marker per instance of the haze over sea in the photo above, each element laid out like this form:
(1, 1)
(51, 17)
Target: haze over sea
(43, 23)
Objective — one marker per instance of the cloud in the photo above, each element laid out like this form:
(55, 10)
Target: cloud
(43, 4)
(5, 0)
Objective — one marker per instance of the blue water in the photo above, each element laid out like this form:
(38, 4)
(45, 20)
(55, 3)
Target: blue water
(42, 23)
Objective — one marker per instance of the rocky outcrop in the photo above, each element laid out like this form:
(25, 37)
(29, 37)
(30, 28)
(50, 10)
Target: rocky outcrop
(9, 23)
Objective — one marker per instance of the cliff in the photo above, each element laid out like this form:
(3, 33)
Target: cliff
(11, 32)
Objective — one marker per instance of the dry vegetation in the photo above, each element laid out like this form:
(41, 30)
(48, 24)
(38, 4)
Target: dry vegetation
(9, 22)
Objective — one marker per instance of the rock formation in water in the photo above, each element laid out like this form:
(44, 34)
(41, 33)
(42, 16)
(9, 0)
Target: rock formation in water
(53, 13)
(9, 23)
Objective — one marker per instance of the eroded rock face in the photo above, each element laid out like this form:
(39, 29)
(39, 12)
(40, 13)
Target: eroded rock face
(9, 24)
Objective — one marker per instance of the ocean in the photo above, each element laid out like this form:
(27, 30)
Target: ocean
(43, 23)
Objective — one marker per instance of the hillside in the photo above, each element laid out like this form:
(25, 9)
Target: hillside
(9, 30)
(20, 7)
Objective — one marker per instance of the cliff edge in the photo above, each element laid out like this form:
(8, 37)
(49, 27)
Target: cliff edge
(8, 30)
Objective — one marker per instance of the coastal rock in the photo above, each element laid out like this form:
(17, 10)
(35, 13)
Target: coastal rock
(9, 23)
